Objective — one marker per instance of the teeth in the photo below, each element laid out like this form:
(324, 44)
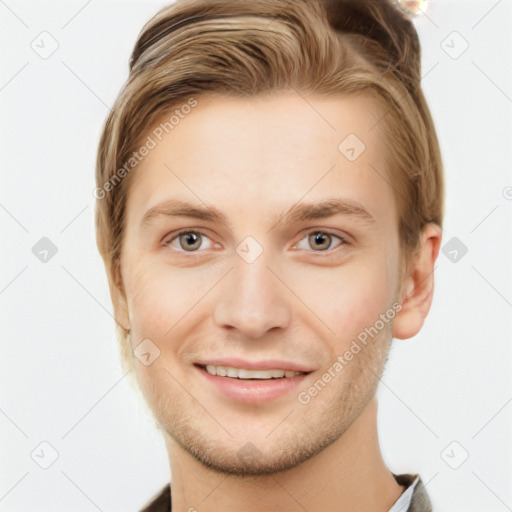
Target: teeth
(232, 372)
(242, 373)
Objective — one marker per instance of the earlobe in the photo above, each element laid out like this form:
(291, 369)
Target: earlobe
(418, 286)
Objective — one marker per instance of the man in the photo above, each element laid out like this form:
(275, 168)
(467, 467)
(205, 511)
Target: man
(269, 221)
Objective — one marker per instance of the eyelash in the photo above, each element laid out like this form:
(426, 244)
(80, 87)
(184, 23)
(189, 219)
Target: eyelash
(325, 253)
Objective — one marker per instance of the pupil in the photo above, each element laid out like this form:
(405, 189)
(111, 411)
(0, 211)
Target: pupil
(190, 239)
(321, 237)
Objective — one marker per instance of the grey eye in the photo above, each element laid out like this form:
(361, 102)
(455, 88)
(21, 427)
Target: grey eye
(189, 241)
(320, 241)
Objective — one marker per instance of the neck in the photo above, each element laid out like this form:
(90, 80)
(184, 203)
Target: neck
(350, 474)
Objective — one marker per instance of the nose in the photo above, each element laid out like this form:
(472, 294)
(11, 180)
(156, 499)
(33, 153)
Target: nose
(253, 300)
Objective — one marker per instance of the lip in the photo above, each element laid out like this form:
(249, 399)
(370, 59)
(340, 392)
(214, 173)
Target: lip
(268, 364)
(255, 391)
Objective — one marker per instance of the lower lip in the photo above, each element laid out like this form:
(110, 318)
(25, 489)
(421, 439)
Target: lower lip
(253, 390)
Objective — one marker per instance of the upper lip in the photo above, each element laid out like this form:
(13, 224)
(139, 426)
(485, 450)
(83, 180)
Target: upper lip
(267, 364)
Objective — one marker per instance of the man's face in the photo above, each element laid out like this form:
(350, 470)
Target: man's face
(260, 289)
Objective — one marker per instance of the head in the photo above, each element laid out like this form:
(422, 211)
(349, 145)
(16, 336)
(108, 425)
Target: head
(301, 131)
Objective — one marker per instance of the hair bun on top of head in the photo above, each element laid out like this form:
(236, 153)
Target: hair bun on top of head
(385, 23)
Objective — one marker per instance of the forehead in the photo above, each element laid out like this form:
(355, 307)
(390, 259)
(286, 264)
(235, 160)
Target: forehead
(266, 152)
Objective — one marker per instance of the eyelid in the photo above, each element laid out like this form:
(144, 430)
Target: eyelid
(345, 239)
(328, 252)
(174, 235)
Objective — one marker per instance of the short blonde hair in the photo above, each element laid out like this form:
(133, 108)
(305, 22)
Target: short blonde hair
(253, 47)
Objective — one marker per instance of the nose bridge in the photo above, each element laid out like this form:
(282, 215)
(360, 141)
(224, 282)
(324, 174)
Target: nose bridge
(253, 300)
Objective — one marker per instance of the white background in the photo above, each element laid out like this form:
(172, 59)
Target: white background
(60, 379)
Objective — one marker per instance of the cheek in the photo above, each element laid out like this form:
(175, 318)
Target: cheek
(161, 297)
(352, 300)
(153, 299)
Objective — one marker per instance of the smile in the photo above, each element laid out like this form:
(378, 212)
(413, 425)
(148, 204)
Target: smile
(250, 385)
(243, 373)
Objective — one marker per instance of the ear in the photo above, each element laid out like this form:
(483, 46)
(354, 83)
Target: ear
(418, 285)
(118, 296)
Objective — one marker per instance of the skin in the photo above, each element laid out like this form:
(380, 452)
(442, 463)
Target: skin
(254, 159)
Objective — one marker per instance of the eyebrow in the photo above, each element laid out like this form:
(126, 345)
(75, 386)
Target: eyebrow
(299, 212)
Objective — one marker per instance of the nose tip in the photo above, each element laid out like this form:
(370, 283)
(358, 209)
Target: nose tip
(252, 301)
